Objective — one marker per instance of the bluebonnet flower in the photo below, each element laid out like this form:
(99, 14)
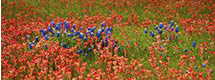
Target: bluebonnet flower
(194, 44)
(91, 34)
(211, 70)
(86, 54)
(61, 24)
(87, 33)
(169, 38)
(71, 35)
(98, 33)
(172, 22)
(46, 47)
(74, 38)
(165, 27)
(176, 36)
(106, 43)
(46, 37)
(114, 45)
(77, 33)
(33, 43)
(58, 34)
(66, 25)
(159, 31)
(161, 25)
(195, 67)
(119, 49)
(152, 34)
(64, 45)
(30, 46)
(92, 30)
(52, 34)
(44, 32)
(172, 29)
(74, 26)
(102, 29)
(106, 31)
(57, 27)
(176, 29)
(49, 28)
(41, 30)
(81, 28)
(53, 24)
(64, 33)
(110, 29)
(68, 34)
(37, 39)
(79, 51)
(203, 65)
(28, 37)
(109, 12)
(185, 50)
(72, 30)
(89, 49)
(187, 71)
(156, 27)
(169, 26)
(88, 28)
(103, 24)
(82, 36)
(145, 30)
(85, 39)
(109, 33)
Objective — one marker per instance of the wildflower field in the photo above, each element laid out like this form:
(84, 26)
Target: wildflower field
(107, 39)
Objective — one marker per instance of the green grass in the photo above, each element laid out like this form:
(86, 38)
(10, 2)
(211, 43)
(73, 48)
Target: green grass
(144, 40)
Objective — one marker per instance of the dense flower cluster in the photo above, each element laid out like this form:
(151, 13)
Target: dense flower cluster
(107, 39)
(87, 41)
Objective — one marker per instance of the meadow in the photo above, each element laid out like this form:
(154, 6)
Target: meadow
(107, 39)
